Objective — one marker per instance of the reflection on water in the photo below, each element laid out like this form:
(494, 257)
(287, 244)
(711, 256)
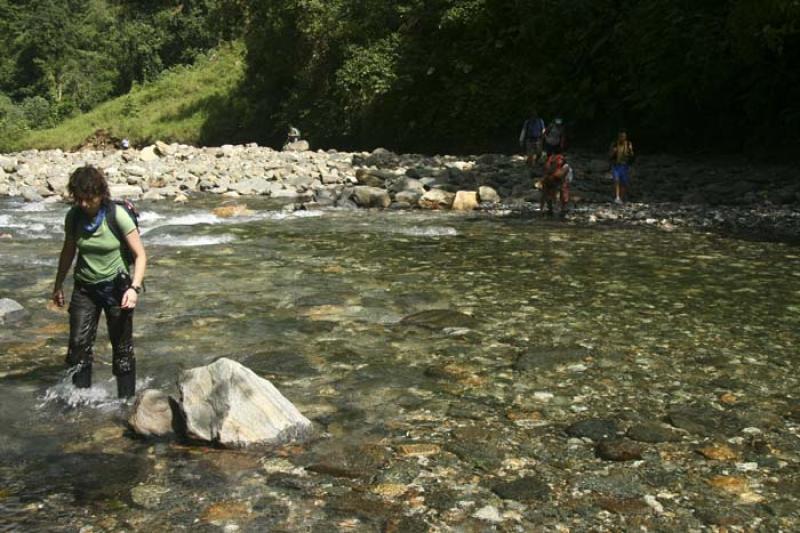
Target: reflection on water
(415, 418)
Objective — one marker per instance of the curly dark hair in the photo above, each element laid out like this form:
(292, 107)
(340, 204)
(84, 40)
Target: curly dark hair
(88, 181)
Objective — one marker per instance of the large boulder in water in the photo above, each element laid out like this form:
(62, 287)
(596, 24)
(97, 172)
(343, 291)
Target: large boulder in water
(437, 199)
(227, 403)
(465, 201)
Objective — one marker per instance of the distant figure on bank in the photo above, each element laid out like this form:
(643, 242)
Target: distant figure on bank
(557, 178)
(95, 227)
(530, 138)
(293, 136)
(621, 156)
(555, 139)
(125, 144)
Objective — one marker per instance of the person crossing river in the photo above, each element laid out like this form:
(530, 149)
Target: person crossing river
(102, 233)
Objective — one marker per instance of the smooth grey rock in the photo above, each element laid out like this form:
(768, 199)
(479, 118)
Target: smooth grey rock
(134, 170)
(148, 153)
(365, 196)
(297, 146)
(58, 183)
(487, 194)
(152, 414)
(164, 149)
(228, 403)
(30, 194)
(125, 191)
(10, 310)
(407, 197)
(437, 199)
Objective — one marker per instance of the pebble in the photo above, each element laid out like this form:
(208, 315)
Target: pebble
(619, 450)
(488, 513)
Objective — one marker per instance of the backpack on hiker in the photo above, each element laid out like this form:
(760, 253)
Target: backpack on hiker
(555, 134)
(534, 127)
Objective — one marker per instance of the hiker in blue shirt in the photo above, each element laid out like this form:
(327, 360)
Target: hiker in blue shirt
(530, 138)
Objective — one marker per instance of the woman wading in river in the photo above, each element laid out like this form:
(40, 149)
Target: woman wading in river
(103, 233)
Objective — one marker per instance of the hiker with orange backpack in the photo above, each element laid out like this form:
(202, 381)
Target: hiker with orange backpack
(556, 181)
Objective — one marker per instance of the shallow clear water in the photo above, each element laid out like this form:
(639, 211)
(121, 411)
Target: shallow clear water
(313, 301)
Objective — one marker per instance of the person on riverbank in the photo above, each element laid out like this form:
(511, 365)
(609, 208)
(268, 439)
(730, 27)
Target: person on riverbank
(530, 138)
(102, 276)
(555, 139)
(557, 178)
(621, 156)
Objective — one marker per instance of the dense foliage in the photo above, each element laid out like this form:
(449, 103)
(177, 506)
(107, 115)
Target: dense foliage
(463, 74)
(63, 57)
(426, 75)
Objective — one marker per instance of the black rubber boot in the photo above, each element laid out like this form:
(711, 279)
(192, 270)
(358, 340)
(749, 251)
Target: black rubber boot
(126, 385)
(82, 378)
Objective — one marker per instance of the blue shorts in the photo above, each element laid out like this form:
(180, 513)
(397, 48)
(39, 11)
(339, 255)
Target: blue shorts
(621, 173)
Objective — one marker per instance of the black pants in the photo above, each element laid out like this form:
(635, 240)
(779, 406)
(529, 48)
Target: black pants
(84, 314)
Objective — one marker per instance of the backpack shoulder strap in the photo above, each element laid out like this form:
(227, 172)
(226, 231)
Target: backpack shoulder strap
(111, 220)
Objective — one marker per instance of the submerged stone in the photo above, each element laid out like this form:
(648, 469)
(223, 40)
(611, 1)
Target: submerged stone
(618, 450)
(10, 310)
(440, 319)
(595, 429)
(524, 489)
(653, 433)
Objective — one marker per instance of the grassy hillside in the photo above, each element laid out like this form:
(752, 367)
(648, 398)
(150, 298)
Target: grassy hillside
(176, 107)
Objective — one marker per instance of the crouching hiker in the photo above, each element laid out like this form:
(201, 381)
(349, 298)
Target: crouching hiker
(557, 178)
(105, 236)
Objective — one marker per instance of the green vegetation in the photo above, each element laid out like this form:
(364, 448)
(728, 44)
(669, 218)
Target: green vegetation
(178, 106)
(424, 75)
(462, 74)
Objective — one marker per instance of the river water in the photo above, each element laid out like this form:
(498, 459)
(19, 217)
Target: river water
(417, 422)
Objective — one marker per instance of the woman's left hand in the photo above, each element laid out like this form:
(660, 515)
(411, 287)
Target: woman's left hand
(129, 299)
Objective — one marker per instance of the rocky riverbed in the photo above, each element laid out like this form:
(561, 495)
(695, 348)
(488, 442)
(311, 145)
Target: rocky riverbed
(489, 371)
(728, 196)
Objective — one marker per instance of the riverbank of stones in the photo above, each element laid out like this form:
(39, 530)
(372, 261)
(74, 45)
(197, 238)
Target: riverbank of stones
(667, 192)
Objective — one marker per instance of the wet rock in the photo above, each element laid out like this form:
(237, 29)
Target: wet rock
(704, 421)
(653, 433)
(472, 445)
(225, 510)
(525, 489)
(537, 358)
(418, 449)
(232, 210)
(11, 311)
(625, 506)
(440, 319)
(408, 197)
(718, 452)
(723, 516)
(148, 496)
(437, 199)
(226, 402)
(488, 195)
(488, 513)
(465, 201)
(366, 196)
(30, 194)
(152, 414)
(618, 450)
(595, 429)
(355, 461)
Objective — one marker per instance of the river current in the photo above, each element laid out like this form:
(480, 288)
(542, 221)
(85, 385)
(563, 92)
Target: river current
(417, 421)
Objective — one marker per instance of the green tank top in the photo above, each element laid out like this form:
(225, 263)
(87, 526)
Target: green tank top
(99, 253)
